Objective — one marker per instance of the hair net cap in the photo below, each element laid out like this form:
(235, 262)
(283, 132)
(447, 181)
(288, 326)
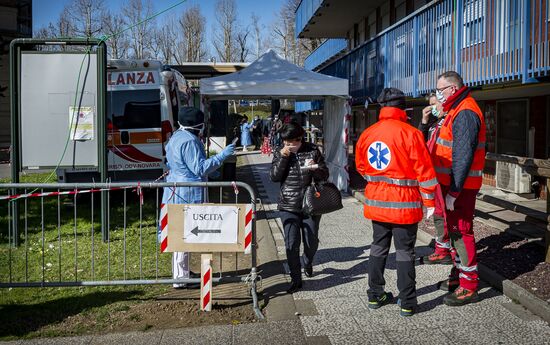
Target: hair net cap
(190, 116)
(392, 97)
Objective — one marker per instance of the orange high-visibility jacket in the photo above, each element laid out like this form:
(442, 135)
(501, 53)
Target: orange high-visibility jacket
(392, 156)
(443, 153)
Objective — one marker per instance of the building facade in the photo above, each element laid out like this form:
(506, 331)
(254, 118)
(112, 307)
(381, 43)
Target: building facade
(15, 22)
(500, 47)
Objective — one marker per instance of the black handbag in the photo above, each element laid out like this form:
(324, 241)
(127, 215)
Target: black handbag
(321, 198)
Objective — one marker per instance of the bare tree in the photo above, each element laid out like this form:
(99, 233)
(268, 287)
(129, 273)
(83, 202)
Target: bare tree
(86, 16)
(242, 43)
(136, 11)
(283, 31)
(257, 29)
(117, 44)
(191, 46)
(164, 44)
(224, 33)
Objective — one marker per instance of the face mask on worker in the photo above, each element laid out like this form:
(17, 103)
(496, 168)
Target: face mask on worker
(439, 96)
(198, 130)
(435, 112)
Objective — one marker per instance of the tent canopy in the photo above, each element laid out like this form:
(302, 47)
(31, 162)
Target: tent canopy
(273, 77)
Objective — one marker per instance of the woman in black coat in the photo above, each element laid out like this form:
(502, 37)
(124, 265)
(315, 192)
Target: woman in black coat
(295, 164)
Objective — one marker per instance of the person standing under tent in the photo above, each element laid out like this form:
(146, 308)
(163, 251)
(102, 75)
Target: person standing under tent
(186, 160)
(392, 157)
(246, 134)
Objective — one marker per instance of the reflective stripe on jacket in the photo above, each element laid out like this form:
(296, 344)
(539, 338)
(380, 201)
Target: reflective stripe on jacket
(443, 154)
(392, 157)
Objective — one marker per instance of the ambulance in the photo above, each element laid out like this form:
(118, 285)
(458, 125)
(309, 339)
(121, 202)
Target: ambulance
(143, 99)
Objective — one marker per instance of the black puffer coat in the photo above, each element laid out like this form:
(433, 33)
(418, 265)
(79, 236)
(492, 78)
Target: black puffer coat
(294, 180)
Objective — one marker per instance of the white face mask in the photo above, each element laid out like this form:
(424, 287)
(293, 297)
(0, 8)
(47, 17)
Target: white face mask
(199, 128)
(439, 96)
(435, 112)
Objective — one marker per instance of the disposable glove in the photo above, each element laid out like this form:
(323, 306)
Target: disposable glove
(428, 211)
(227, 151)
(450, 202)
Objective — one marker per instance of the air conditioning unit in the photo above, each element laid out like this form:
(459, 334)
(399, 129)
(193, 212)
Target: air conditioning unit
(512, 178)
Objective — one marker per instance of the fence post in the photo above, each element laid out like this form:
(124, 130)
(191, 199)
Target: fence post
(415, 56)
(525, 33)
(14, 154)
(459, 28)
(206, 282)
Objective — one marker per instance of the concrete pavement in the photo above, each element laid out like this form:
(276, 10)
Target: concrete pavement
(332, 307)
(337, 300)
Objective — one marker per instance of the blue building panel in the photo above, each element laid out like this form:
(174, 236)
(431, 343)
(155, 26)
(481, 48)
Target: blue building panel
(486, 41)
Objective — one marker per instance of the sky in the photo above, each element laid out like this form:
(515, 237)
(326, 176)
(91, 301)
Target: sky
(46, 11)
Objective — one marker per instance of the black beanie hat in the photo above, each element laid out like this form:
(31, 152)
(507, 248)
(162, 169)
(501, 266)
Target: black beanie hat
(190, 116)
(392, 97)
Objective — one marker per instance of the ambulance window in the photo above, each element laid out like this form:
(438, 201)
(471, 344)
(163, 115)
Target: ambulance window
(132, 109)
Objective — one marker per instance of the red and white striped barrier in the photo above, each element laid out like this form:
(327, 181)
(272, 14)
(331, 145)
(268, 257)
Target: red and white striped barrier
(248, 230)
(163, 227)
(206, 282)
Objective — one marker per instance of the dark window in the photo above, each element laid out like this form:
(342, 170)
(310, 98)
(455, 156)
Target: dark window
(512, 127)
(134, 109)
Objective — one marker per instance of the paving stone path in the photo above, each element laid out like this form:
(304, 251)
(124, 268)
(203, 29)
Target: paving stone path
(338, 291)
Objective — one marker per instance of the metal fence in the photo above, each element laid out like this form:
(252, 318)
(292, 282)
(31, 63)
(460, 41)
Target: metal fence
(57, 239)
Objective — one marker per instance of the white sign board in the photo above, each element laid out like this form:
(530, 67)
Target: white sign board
(81, 123)
(211, 224)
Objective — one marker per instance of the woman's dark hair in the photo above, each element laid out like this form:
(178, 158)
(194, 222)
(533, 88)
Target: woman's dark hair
(291, 130)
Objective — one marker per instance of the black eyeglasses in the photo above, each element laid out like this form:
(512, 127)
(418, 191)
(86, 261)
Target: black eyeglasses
(445, 88)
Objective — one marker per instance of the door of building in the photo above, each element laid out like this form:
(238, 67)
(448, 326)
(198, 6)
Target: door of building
(512, 127)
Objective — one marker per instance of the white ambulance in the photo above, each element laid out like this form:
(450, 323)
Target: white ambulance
(142, 107)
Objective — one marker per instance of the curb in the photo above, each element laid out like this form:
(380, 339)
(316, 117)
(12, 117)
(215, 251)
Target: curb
(510, 289)
(533, 216)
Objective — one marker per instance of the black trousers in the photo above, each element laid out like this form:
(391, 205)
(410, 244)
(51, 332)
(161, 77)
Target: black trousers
(404, 239)
(298, 227)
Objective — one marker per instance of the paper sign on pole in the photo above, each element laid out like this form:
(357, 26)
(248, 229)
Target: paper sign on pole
(211, 224)
(81, 121)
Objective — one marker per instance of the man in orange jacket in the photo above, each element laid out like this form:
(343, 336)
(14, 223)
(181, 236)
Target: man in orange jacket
(392, 157)
(459, 158)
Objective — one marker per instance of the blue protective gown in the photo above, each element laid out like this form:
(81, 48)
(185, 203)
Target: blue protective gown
(246, 137)
(187, 162)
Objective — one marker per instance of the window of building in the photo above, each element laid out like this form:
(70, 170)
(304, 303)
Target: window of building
(385, 15)
(371, 24)
(512, 125)
(400, 9)
(508, 22)
(474, 22)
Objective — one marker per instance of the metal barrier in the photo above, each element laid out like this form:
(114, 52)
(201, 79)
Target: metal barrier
(60, 243)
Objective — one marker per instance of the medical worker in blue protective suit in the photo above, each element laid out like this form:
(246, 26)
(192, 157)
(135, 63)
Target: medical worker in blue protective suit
(187, 162)
(246, 134)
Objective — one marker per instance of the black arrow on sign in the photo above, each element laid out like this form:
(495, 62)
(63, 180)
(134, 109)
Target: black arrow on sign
(196, 231)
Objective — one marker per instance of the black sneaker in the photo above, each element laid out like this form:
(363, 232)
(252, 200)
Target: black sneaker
(294, 286)
(405, 311)
(448, 285)
(376, 303)
(308, 271)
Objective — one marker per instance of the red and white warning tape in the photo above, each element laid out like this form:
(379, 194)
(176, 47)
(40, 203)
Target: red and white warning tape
(69, 192)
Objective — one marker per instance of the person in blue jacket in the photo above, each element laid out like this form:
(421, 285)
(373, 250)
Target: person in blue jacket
(186, 159)
(246, 134)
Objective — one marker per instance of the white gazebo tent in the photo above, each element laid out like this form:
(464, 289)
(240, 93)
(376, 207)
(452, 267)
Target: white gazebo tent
(272, 77)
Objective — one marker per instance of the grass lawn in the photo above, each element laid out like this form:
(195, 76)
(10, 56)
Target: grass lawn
(68, 247)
